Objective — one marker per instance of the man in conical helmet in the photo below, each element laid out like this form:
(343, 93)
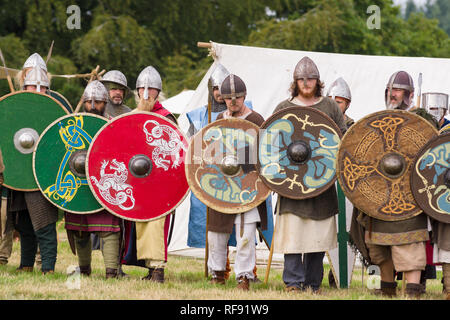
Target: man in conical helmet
(116, 83)
(340, 92)
(399, 91)
(233, 90)
(103, 224)
(314, 218)
(151, 243)
(36, 80)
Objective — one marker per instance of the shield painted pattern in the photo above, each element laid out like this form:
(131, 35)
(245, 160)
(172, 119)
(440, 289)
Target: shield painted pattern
(375, 159)
(430, 178)
(221, 171)
(24, 116)
(135, 166)
(297, 152)
(59, 162)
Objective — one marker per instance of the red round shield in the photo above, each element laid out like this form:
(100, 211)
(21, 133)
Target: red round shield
(135, 166)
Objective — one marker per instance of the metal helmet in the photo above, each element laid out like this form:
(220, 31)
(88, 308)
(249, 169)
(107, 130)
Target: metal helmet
(149, 78)
(35, 60)
(95, 91)
(217, 76)
(117, 77)
(233, 87)
(36, 77)
(340, 88)
(435, 104)
(306, 69)
(399, 80)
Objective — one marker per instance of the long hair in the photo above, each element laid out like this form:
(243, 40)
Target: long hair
(294, 89)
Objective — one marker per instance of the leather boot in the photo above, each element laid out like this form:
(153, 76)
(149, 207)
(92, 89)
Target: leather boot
(388, 289)
(218, 277)
(149, 275)
(414, 290)
(158, 275)
(85, 270)
(111, 273)
(243, 283)
(24, 269)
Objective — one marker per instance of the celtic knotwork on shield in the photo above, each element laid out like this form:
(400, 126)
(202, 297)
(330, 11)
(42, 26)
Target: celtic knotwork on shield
(60, 159)
(430, 178)
(136, 166)
(222, 172)
(375, 159)
(297, 152)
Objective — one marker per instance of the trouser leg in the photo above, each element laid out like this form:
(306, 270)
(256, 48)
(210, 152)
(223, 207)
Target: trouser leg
(83, 246)
(28, 240)
(110, 249)
(245, 251)
(293, 272)
(217, 251)
(313, 263)
(48, 245)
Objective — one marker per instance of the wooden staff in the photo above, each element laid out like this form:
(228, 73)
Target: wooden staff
(269, 262)
(49, 55)
(95, 75)
(207, 208)
(11, 87)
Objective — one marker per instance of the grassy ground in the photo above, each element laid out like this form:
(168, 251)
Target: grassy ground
(184, 280)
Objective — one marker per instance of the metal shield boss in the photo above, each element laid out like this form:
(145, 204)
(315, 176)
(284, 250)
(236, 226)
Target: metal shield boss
(23, 117)
(430, 178)
(375, 159)
(297, 152)
(135, 166)
(221, 171)
(59, 162)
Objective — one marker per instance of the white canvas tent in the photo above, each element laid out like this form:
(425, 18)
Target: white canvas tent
(179, 102)
(268, 75)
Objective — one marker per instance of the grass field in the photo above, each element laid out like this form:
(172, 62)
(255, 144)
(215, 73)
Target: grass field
(185, 280)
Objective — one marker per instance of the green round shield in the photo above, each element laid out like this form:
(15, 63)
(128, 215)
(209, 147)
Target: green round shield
(23, 117)
(59, 162)
(63, 100)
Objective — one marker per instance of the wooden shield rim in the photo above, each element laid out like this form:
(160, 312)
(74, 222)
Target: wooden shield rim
(242, 208)
(42, 94)
(352, 128)
(296, 108)
(34, 156)
(87, 165)
(436, 216)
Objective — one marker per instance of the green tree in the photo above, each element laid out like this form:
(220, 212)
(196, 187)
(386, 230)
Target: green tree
(15, 53)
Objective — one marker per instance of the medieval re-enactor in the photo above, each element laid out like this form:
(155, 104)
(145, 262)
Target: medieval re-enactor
(307, 228)
(103, 224)
(397, 245)
(118, 90)
(34, 217)
(340, 92)
(147, 245)
(220, 226)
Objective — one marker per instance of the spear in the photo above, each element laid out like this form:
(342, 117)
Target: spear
(420, 90)
(49, 52)
(11, 87)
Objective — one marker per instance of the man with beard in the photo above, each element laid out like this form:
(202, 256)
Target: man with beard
(103, 224)
(220, 227)
(387, 245)
(313, 218)
(118, 90)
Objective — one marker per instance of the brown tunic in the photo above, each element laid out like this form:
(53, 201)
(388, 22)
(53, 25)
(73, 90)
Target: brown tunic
(324, 205)
(224, 222)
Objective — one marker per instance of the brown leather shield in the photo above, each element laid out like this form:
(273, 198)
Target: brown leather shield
(430, 178)
(297, 152)
(375, 159)
(221, 171)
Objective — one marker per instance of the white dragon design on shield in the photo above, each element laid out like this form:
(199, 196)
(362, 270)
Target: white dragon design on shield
(112, 186)
(167, 142)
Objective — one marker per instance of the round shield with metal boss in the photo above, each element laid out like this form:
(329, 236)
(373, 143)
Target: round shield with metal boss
(430, 178)
(297, 152)
(221, 171)
(23, 117)
(135, 166)
(375, 159)
(59, 162)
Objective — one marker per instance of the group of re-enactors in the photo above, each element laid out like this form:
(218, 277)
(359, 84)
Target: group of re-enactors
(307, 228)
